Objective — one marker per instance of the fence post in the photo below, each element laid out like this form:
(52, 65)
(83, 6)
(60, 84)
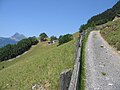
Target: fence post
(74, 83)
(65, 78)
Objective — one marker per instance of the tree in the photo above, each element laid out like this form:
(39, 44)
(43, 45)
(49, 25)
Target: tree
(52, 38)
(11, 51)
(82, 27)
(106, 16)
(65, 38)
(43, 36)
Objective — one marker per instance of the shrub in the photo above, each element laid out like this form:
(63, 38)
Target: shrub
(43, 37)
(11, 51)
(52, 38)
(103, 73)
(118, 45)
(65, 38)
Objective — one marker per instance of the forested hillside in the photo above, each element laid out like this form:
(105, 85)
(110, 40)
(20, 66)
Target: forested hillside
(11, 51)
(106, 16)
(102, 18)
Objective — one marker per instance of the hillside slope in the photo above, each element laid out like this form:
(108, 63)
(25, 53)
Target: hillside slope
(103, 17)
(41, 65)
(111, 33)
(106, 16)
(11, 40)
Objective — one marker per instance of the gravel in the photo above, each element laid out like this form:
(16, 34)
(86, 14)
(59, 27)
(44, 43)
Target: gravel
(102, 64)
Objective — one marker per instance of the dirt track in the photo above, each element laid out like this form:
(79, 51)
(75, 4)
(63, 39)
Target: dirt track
(102, 64)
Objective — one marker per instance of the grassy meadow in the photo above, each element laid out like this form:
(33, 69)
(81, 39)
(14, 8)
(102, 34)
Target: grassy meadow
(111, 33)
(41, 65)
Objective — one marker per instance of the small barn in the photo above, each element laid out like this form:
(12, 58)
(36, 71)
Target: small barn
(52, 42)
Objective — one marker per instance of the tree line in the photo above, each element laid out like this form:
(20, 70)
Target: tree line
(65, 38)
(102, 18)
(43, 37)
(13, 50)
(61, 40)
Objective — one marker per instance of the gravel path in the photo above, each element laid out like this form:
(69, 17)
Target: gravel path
(102, 64)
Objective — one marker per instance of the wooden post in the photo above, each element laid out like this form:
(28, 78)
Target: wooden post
(65, 78)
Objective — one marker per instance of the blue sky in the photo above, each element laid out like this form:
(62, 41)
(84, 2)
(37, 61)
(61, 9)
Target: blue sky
(54, 17)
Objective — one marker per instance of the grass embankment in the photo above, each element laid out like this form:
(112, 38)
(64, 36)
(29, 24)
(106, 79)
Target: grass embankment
(111, 33)
(82, 70)
(41, 65)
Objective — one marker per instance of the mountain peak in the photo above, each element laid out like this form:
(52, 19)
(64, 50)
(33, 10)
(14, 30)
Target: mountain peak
(16, 33)
(18, 37)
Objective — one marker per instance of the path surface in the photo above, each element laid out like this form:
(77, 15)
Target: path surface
(102, 64)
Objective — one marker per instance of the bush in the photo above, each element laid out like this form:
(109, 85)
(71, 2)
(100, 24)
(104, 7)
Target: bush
(65, 38)
(11, 51)
(43, 37)
(118, 45)
(52, 38)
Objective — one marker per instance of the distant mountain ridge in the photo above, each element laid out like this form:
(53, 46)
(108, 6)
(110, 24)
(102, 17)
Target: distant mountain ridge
(11, 40)
(5, 41)
(17, 37)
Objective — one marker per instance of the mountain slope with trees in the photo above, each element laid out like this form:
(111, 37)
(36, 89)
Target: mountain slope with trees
(102, 18)
(13, 50)
(11, 40)
(106, 16)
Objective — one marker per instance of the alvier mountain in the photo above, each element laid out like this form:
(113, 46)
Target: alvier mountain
(11, 40)
(18, 37)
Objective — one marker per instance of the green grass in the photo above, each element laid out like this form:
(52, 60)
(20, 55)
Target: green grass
(41, 65)
(82, 71)
(111, 33)
(103, 73)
